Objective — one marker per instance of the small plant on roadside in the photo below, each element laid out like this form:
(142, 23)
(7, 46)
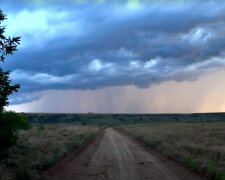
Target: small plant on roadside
(214, 173)
(190, 162)
(40, 128)
(25, 173)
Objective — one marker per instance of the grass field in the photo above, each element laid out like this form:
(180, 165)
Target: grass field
(200, 146)
(40, 147)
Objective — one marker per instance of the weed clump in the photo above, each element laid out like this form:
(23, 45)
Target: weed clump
(40, 128)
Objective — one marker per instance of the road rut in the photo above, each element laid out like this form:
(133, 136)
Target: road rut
(115, 156)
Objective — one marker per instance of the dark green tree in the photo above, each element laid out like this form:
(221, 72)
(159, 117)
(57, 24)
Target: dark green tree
(7, 46)
(10, 122)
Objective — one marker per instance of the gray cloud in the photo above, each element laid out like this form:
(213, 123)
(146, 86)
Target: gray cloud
(104, 45)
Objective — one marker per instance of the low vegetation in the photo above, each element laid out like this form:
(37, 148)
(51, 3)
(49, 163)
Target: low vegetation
(200, 146)
(40, 147)
(10, 123)
(122, 119)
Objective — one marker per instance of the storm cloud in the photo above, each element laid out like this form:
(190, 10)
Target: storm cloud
(95, 45)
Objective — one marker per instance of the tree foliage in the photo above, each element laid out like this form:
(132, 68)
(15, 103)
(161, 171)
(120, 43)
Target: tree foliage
(7, 46)
(10, 122)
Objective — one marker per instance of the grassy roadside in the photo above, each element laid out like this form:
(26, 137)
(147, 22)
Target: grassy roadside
(40, 147)
(200, 146)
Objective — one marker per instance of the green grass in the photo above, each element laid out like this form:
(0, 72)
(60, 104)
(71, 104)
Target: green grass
(214, 173)
(40, 147)
(199, 146)
(191, 163)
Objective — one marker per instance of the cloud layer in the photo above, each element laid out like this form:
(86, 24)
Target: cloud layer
(203, 95)
(94, 45)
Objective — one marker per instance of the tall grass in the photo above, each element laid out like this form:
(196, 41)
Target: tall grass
(200, 146)
(40, 147)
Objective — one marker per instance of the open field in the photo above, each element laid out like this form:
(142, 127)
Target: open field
(40, 147)
(200, 146)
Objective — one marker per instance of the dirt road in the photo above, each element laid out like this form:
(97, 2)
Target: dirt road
(116, 156)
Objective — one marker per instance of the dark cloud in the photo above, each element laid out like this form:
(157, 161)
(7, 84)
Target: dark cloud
(69, 47)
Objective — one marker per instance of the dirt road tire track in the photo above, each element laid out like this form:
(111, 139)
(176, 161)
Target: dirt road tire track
(115, 156)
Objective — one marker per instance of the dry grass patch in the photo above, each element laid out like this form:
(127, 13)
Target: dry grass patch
(40, 147)
(200, 146)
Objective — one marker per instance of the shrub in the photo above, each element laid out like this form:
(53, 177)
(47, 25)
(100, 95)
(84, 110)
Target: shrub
(190, 162)
(24, 173)
(214, 172)
(10, 122)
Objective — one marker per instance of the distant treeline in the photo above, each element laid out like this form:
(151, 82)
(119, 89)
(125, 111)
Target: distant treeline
(122, 119)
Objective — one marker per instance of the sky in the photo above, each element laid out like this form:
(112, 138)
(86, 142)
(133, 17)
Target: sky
(117, 56)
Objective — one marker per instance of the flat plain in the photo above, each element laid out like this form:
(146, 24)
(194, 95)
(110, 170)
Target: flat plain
(192, 143)
(200, 146)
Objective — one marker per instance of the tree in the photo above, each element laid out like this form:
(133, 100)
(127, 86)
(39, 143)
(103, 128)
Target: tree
(10, 122)
(7, 46)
